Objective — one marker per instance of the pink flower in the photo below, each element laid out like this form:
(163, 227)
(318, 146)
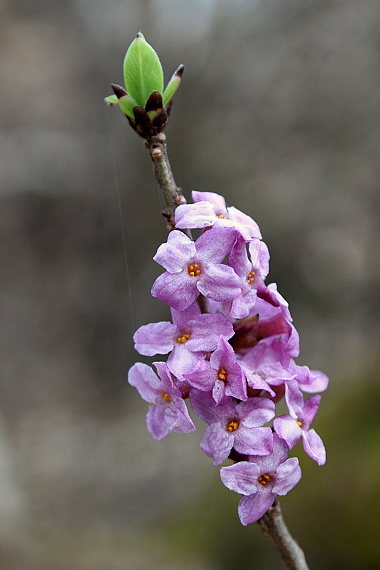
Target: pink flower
(296, 425)
(233, 425)
(209, 209)
(189, 337)
(261, 479)
(193, 268)
(222, 374)
(252, 273)
(168, 411)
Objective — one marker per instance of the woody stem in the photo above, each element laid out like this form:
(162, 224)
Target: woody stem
(171, 192)
(273, 525)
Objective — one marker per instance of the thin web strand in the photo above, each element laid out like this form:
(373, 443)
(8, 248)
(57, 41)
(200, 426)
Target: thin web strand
(122, 218)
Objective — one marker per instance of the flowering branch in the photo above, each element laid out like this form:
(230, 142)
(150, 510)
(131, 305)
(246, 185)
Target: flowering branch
(273, 525)
(231, 342)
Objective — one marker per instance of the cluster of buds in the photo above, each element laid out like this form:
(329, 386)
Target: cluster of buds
(144, 101)
(231, 346)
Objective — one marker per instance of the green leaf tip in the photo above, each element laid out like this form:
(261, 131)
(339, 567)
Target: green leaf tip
(142, 70)
(111, 100)
(173, 85)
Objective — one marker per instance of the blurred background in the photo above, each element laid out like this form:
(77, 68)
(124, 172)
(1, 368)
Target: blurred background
(279, 112)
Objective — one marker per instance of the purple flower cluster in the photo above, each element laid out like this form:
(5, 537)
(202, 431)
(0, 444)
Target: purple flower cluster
(235, 362)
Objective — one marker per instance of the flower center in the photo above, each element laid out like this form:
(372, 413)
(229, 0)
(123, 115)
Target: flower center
(264, 479)
(222, 375)
(299, 423)
(194, 270)
(251, 277)
(184, 338)
(222, 217)
(232, 425)
(166, 397)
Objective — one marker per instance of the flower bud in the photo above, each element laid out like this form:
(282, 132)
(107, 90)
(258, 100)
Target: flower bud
(144, 101)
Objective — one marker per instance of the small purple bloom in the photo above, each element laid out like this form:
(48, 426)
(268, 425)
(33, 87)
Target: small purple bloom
(261, 479)
(222, 374)
(265, 361)
(190, 337)
(209, 209)
(196, 267)
(296, 425)
(270, 363)
(168, 411)
(252, 273)
(309, 381)
(233, 425)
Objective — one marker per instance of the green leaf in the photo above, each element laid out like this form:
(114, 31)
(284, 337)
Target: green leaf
(127, 104)
(111, 100)
(172, 86)
(142, 70)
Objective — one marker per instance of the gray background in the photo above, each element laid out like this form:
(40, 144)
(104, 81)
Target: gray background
(279, 112)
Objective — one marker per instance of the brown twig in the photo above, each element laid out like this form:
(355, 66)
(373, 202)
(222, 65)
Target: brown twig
(171, 192)
(273, 525)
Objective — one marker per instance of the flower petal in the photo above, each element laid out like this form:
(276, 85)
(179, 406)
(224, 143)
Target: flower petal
(217, 443)
(161, 419)
(313, 445)
(241, 477)
(318, 382)
(199, 215)
(155, 338)
(256, 411)
(182, 361)
(216, 200)
(309, 411)
(244, 224)
(220, 283)
(176, 252)
(178, 291)
(204, 406)
(202, 377)
(288, 429)
(142, 377)
(288, 475)
(206, 331)
(254, 441)
(255, 506)
(214, 244)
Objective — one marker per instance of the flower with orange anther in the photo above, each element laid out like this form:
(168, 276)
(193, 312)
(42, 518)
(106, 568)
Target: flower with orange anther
(196, 267)
(261, 479)
(168, 411)
(190, 337)
(234, 425)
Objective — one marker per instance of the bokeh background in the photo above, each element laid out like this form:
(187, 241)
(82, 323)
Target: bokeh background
(279, 112)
